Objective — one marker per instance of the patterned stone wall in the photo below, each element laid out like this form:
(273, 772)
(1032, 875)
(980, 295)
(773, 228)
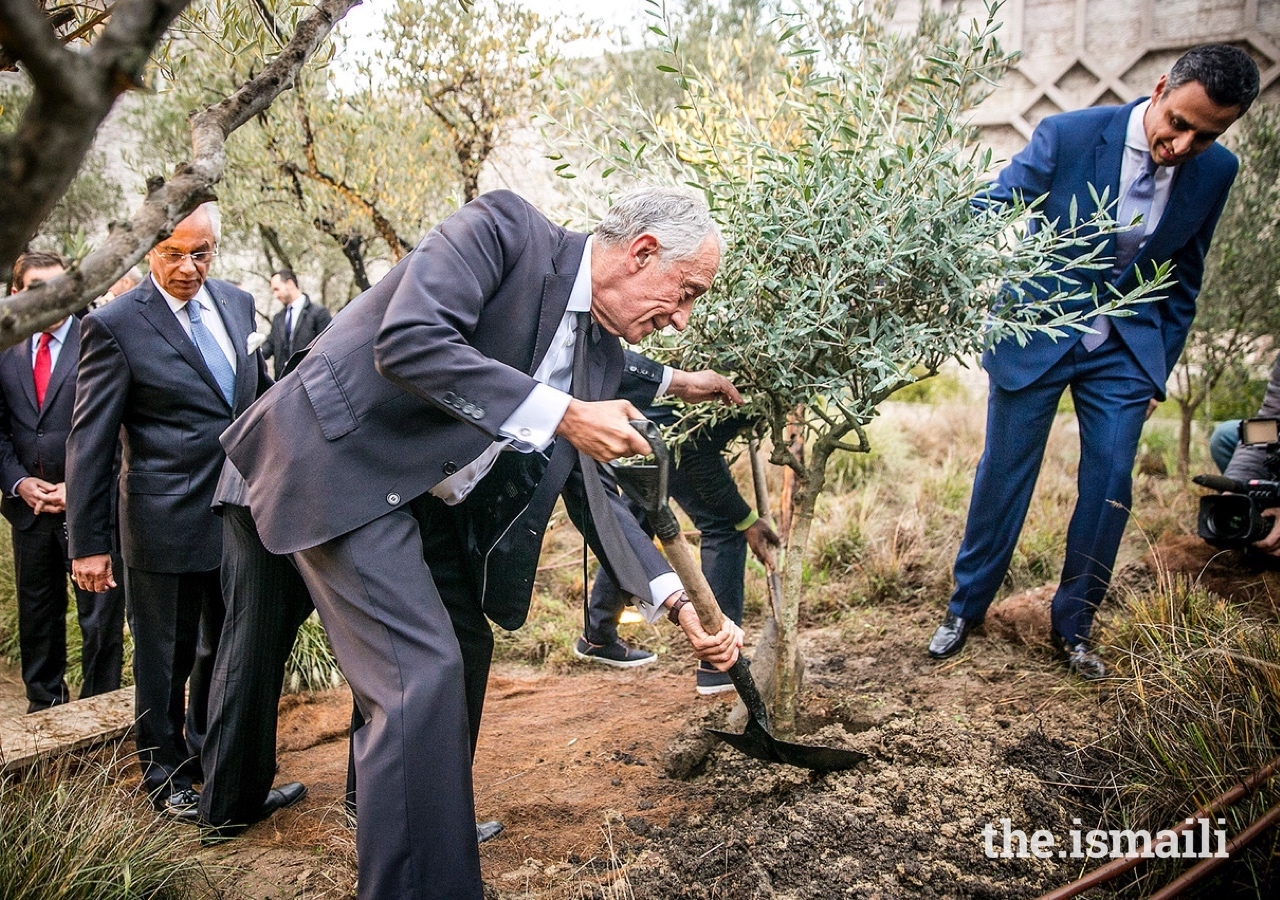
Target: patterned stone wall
(1079, 53)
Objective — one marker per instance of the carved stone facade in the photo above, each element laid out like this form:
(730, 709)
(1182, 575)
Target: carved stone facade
(1077, 53)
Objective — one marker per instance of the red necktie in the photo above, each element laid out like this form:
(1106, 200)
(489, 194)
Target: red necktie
(42, 367)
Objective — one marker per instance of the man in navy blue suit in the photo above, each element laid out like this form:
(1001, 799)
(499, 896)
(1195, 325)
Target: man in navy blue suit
(1159, 158)
(37, 395)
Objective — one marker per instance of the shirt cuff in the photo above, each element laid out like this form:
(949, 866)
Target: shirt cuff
(660, 589)
(665, 383)
(751, 519)
(13, 492)
(533, 425)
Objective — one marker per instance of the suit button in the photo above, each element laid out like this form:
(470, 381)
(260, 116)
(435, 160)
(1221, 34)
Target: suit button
(477, 413)
(39, 432)
(632, 369)
(393, 498)
(450, 467)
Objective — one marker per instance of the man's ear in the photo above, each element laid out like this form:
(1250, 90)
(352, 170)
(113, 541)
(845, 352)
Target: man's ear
(642, 251)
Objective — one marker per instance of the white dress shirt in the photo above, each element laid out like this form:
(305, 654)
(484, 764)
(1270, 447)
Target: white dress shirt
(1136, 150)
(532, 427)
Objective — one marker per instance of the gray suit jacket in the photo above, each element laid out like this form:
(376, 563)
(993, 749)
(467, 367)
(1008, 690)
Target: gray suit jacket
(143, 380)
(413, 380)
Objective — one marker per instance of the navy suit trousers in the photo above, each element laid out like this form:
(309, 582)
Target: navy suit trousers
(1111, 394)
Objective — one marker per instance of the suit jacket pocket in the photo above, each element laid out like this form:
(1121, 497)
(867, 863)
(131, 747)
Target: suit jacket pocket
(166, 483)
(332, 408)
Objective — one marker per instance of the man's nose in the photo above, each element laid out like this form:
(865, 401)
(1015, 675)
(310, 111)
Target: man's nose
(1182, 143)
(680, 320)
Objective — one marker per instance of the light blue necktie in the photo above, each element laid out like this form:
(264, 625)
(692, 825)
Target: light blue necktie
(214, 358)
(1135, 203)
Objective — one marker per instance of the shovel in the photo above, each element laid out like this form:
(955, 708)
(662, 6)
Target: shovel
(647, 485)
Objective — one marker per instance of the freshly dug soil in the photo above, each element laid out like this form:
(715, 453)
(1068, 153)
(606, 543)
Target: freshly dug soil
(609, 787)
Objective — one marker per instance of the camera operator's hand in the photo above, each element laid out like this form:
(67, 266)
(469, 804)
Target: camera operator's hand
(1271, 543)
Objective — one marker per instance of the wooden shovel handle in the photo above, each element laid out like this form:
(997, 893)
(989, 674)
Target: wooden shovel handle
(695, 583)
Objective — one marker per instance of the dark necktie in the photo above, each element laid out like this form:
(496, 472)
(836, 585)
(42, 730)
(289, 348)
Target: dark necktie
(42, 367)
(214, 358)
(288, 331)
(627, 570)
(1135, 203)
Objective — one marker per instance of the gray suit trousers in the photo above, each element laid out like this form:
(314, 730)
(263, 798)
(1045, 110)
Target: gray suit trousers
(393, 638)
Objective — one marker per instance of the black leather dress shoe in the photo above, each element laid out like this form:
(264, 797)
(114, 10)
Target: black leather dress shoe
(487, 831)
(951, 635)
(1081, 660)
(285, 795)
(277, 799)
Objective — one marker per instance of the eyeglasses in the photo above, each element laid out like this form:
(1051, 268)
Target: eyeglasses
(200, 257)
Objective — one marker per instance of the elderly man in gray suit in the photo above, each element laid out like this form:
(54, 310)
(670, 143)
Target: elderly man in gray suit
(499, 332)
(164, 369)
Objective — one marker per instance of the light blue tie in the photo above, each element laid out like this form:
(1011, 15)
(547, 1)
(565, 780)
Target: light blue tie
(214, 358)
(1135, 203)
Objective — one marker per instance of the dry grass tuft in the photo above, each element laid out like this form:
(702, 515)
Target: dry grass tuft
(70, 831)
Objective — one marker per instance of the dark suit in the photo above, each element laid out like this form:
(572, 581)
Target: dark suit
(702, 484)
(143, 379)
(33, 442)
(410, 385)
(1070, 155)
(309, 320)
(266, 603)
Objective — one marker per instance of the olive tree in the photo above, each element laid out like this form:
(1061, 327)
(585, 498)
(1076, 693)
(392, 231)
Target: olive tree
(1238, 311)
(857, 260)
(77, 66)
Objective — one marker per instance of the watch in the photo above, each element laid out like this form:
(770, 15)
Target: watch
(674, 612)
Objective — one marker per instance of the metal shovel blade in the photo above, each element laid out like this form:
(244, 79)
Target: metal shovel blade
(647, 486)
(760, 744)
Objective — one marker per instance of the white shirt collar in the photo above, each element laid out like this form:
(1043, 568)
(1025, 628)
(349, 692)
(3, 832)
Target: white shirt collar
(59, 334)
(177, 305)
(1135, 136)
(580, 295)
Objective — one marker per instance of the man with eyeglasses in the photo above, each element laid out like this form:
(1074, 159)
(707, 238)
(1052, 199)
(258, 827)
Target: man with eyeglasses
(165, 368)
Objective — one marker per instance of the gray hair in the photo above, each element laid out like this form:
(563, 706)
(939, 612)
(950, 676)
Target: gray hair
(679, 219)
(210, 209)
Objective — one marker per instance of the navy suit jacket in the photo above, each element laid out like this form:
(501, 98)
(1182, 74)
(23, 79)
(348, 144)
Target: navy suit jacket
(412, 382)
(1071, 154)
(142, 380)
(33, 438)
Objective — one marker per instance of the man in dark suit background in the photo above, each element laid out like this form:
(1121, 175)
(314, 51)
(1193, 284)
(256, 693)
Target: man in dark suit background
(1159, 158)
(423, 525)
(703, 486)
(165, 368)
(296, 325)
(37, 395)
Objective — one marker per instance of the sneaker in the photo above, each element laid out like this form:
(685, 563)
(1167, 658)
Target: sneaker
(712, 681)
(618, 654)
(182, 805)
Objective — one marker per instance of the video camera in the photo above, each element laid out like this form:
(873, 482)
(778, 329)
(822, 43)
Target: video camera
(1234, 518)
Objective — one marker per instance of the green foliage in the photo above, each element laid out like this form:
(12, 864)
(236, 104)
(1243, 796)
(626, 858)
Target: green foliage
(75, 834)
(843, 178)
(478, 70)
(1237, 313)
(311, 665)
